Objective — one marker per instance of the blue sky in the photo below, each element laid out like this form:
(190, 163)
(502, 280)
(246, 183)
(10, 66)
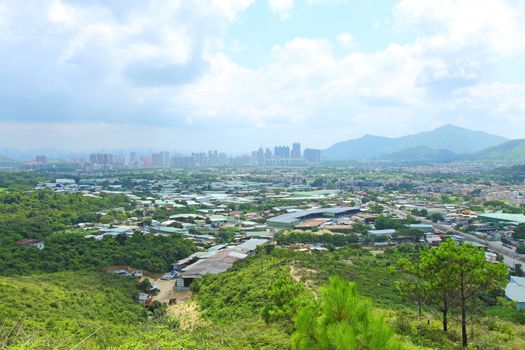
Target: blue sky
(234, 75)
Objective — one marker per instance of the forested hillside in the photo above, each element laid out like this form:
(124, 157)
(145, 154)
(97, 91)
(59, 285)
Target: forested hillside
(48, 216)
(252, 306)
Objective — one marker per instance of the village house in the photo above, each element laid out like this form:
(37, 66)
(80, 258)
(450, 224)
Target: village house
(31, 242)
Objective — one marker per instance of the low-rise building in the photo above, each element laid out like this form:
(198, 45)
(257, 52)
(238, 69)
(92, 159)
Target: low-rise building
(515, 291)
(31, 242)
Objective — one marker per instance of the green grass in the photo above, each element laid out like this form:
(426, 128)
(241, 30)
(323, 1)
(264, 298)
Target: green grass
(47, 310)
(60, 310)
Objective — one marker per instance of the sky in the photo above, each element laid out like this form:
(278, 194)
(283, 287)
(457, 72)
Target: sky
(235, 75)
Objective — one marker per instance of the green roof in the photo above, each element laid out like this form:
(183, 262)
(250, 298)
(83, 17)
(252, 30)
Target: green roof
(519, 218)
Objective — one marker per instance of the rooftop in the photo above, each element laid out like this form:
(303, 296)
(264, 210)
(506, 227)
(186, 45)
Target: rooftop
(515, 290)
(519, 218)
(293, 217)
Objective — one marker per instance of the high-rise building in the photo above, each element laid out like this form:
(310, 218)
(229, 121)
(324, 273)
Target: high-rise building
(312, 155)
(41, 159)
(260, 157)
(160, 159)
(133, 158)
(268, 155)
(101, 158)
(199, 158)
(296, 150)
(183, 162)
(281, 152)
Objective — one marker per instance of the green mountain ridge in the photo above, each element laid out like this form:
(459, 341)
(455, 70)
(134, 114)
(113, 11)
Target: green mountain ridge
(448, 137)
(6, 161)
(509, 152)
(420, 154)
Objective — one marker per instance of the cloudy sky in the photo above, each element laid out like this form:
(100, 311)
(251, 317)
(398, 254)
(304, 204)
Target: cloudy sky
(239, 74)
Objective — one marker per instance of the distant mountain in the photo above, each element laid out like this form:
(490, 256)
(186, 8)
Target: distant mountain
(418, 155)
(4, 161)
(448, 137)
(509, 152)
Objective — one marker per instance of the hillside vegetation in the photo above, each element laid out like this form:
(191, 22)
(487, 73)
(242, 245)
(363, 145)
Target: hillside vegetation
(508, 152)
(254, 305)
(60, 310)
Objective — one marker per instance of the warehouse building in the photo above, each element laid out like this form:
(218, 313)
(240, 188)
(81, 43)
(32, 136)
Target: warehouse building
(292, 219)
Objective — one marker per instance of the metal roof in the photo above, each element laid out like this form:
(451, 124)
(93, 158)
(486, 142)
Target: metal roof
(252, 244)
(292, 217)
(515, 290)
(519, 218)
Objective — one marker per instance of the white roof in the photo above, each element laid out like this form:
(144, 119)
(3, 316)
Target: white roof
(515, 290)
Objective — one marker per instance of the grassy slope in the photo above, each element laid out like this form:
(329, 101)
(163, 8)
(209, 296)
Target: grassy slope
(511, 151)
(50, 309)
(229, 295)
(54, 307)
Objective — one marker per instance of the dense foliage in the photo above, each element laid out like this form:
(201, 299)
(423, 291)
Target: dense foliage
(72, 251)
(307, 237)
(40, 213)
(62, 309)
(341, 319)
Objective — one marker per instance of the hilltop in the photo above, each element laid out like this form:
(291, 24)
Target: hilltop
(448, 137)
(509, 152)
(419, 155)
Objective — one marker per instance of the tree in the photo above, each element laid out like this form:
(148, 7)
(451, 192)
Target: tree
(341, 319)
(144, 285)
(226, 235)
(360, 228)
(519, 232)
(520, 249)
(283, 299)
(414, 233)
(463, 272)
(432, 269)
(384, 222)
(158, 309)
(414, 286)
(517, 270)
(436, 217)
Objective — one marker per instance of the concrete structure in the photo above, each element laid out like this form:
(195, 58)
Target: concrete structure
(292, 219)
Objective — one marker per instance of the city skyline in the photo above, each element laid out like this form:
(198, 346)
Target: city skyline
(203, 75)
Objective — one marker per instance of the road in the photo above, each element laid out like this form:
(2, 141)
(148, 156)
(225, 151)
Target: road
(510, 257)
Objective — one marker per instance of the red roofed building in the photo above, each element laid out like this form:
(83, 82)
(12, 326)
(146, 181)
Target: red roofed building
(31, 242)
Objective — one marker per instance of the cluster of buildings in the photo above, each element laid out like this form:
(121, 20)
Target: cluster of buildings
(278, 156)
(256, 203)
(286, 156)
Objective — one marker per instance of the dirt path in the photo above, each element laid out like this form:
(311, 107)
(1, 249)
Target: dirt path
(297, 275)
(186, 310)
(166, 290)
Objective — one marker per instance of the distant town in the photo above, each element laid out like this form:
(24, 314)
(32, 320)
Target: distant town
(279, 156)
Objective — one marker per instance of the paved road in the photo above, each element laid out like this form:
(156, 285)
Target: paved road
(510, 257)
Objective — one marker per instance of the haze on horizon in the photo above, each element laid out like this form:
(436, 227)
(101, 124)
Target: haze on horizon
(238, 74)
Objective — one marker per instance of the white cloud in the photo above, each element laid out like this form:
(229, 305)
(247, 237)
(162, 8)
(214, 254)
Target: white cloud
(493, 25)
(346, 40)
(162, 63)
(281, 7)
